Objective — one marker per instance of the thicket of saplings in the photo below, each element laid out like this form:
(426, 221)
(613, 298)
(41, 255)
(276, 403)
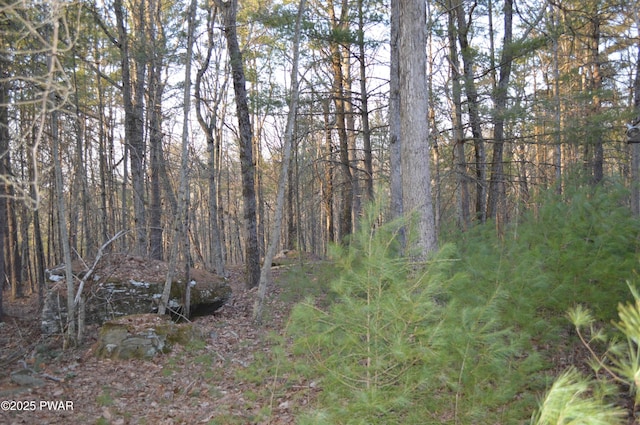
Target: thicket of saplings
(485, 332)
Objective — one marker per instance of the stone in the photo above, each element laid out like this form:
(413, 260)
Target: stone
(123, 285)
(142, 336)
(26, 378)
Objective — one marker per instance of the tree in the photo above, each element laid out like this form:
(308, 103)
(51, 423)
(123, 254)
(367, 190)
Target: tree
(473, 106)
(497, 190)
(211, 128)
(459, 158)
(180, 234)
(133, 83)
(416, 176)
(252, 249)
(635, 148)
(265, 272)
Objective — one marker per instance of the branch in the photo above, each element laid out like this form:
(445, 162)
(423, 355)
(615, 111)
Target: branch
(95, 263)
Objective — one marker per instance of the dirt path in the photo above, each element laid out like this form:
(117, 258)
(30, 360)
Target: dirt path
(191, 385)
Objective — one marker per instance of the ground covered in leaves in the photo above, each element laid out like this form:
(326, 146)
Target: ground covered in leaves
(206, 382)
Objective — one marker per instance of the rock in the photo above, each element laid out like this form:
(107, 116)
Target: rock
(26, 378)
(287, 257)
(142, 336)
(123, 285)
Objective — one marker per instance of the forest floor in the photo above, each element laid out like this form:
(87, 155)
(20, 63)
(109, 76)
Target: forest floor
(209, 382)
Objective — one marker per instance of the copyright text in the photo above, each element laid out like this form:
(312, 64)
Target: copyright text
(31, 405)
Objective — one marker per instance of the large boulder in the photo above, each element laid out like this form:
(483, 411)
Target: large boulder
(142, 336)
(123, 285)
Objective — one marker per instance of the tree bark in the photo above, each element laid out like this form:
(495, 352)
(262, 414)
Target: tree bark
(247, 165)
(395, 138)
(414, 132)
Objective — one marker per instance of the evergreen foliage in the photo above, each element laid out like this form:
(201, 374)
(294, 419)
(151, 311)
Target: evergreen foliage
(465, 337)
(574, 399)
(398, 346)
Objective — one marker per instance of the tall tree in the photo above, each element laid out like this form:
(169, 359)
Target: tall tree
(497, 190)
(459, 157)
(635, 147)
(133, 83)
(209, 123)
(180, 235)
(265, 273)
(414, 133)
(473, 105)
(4, 153)
(247, 164)
(395, 137)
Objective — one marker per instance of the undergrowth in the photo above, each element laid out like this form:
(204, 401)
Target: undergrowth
(470, 336)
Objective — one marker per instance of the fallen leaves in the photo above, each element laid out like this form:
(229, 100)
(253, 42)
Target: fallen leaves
(196, 384)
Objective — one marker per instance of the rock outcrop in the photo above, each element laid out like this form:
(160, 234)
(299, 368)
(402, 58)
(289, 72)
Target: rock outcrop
(123, 285)
(142, 336)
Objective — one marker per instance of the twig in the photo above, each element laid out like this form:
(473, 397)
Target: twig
(95, 263)
(51, 377)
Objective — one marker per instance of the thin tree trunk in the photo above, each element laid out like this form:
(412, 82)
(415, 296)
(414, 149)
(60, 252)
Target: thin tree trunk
(364, 112)
(181, 220)
(265, 273)
(497, 190)
(635, 147)
(473, 109)
(4, 151)
(339, 96)
(247, 165)
(156, 90)
(210, 129)
(70, 336)
(459, 157)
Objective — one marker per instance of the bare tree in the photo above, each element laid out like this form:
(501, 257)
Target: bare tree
(265, 273)
(247, 165)
(180, 235)
(210, 127)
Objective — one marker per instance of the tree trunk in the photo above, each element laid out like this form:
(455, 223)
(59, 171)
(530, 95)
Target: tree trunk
(252, 250)
(497, 190)
(635, 147)
(4, 151)
(473, 109)
(395, 138)
(327, 190)
(156, 90)
(265, 273)
(180, 235)
(459, 157)
(70, 336)
(339, 98)
(210, 128)
(364, 108)
(132, 97)
(416, 177)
